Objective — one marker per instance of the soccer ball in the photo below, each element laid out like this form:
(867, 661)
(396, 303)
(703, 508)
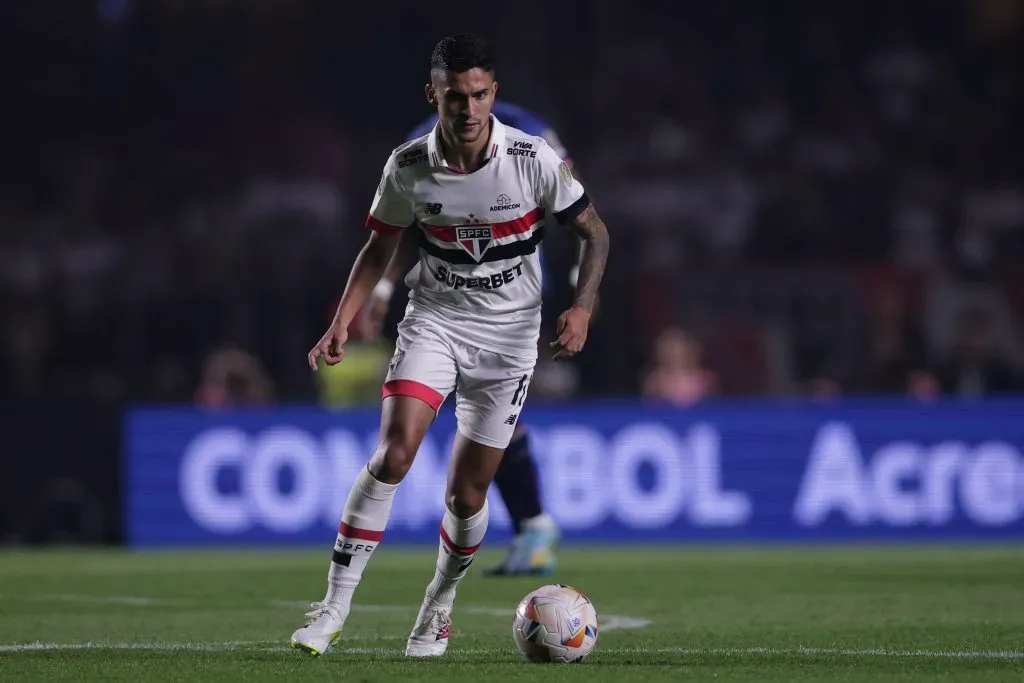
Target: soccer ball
(555, 623)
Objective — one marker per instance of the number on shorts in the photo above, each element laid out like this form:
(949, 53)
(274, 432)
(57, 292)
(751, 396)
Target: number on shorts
(520, 395)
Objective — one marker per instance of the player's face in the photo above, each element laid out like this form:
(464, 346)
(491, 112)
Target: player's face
(463, 102)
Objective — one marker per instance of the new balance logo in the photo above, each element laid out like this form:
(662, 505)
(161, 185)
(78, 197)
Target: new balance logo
(511, 419)
(395, 360)
(431, 209)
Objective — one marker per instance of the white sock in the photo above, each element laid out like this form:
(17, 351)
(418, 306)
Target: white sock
(460, 540)
(542, 521)
(362, 525)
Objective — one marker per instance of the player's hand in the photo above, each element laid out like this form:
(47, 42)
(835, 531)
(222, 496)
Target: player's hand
(331, 346)
(371, 322)
(572, 333)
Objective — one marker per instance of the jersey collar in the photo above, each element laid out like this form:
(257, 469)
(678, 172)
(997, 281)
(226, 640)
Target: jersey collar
(495, 143)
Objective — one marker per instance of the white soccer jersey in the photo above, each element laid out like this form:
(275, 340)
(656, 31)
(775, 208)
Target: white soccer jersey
(479, 233)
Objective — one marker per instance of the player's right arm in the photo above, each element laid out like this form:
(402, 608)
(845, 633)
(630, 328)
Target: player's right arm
(371, 322)
(390, 213)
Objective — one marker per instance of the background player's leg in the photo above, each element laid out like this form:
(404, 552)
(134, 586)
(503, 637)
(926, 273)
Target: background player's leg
(516, 480)
(470, 473)
(404, 422)
(532, 550)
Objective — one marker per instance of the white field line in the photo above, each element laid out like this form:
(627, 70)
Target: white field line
(829, 652)
(125, 600)
(769, 652)
(39, 646)
(609, 622)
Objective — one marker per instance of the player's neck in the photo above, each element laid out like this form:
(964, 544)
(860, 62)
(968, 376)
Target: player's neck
(468, 157)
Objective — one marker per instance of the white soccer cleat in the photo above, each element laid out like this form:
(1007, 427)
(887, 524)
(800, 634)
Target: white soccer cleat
(322, 629)
(429, 638)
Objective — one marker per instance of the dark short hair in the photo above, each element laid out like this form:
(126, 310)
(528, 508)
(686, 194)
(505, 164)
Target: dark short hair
(461, 52)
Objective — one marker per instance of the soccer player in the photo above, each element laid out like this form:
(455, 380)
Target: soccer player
(479, 209)
(532, 549)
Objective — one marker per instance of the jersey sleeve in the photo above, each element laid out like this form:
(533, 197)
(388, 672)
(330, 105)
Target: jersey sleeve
(391, 210)
(558, 191)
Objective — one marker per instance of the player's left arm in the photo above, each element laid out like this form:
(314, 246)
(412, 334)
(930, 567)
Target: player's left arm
(577, 253)
(574, 323)
(562, 193)
(594, 243)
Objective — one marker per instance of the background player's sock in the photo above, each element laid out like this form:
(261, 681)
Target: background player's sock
(460, 539)
(517, 481)
(362, 525)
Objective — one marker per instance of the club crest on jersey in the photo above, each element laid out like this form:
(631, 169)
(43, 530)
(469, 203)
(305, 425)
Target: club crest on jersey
(474, 237)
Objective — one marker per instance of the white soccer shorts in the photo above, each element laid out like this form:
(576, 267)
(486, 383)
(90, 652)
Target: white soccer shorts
(490, 388)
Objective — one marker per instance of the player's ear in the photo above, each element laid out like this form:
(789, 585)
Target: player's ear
(431, 94)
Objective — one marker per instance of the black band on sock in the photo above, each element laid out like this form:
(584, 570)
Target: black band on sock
(341, 558)
(517, 482)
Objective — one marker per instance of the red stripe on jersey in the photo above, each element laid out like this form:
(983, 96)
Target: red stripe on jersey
(408, 387)
(516, 226)
(458, 549)
(494, 151)
(362, 534)
(380, 226)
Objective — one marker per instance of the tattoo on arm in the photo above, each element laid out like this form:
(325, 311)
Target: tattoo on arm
(593, 235)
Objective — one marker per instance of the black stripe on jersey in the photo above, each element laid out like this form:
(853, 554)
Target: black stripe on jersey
(498, 252)
(573, 210)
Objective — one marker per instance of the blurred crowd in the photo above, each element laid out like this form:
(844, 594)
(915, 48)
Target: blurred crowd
(814, 198)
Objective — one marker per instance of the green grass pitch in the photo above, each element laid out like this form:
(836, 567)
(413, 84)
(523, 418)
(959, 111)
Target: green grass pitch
(871, 613)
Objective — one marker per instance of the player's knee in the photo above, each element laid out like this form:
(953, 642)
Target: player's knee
(466, 499)
(465, 506)
(395, 454)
